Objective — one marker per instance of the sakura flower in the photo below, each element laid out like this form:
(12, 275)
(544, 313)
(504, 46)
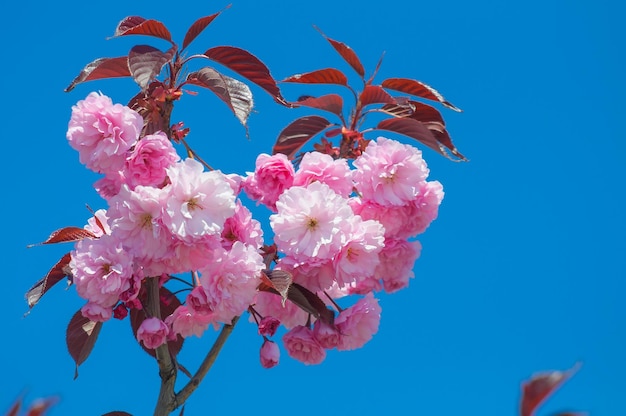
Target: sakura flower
(270, 354)
(327, 335)
(96, 312)
(185, 322)
(335, 173)
(101, 269)
(268, 326)
(302, 345)
(358, 323)
(198, 203)
(198, 301)
(310, 222)
(272, 175)
(147, 162)
(396, 263)
(152, 332)
(388, 172)
(270, 304)
(98, 225)
(102, 132)
(231, 280)
(242, 227)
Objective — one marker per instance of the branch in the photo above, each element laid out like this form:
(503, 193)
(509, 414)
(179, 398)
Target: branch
(206, 365)
(166, 402)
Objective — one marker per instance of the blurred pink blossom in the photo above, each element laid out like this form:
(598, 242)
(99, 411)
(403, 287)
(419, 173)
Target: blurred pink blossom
(270, 354)
(358, 323)
(396, 263)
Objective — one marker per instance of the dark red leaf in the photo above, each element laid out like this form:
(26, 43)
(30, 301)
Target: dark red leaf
(321, 76)
(246, 65)
(331, 102)
(539, 387)
(198, 26)
(169, 303)
(145, 63)
(418, 89)
(442, 136)
(373, 94)
(136, 25)
(80, 337)
(117, 413)
(67, 234)
(426, 113)
(415, 130)
(102, 68)
(55, 275)
(400, 109)
(296, 134)
(15, 408)
(347, 54)
(276, 281)
(235, 94)
(310, 302)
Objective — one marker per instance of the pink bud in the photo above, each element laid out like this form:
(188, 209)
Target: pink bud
(268, 326)
(270, 354)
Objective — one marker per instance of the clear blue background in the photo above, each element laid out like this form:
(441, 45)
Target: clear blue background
(523, 270)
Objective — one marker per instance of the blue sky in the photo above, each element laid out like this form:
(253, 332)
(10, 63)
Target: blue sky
(523, 271)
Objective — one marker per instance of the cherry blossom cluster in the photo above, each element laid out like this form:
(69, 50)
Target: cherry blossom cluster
(339, 228)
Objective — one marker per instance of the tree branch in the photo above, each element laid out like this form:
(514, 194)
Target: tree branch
(206, 365)
(166, 402)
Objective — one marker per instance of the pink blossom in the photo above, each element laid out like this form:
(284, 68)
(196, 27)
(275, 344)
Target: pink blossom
(270, 304)
(310, 222)
(270, 354)
(268, 326)
(396, 263)
(120, 311)
(272, 175)
(358, 323)
(110, 185)
(101, 269)
(147, 163)
(359, 255)
(102, 132)
(325, 334)
(190, 256)
(185, 322)
(198, 301)
(135, 217)
(335, 173)
(231, 280)
(152, 332)
(316, 275)
(98, 225)
(302, 345)
(388, 172)
(364, 286)
(96, 312)
(198, 203)
(242, 227)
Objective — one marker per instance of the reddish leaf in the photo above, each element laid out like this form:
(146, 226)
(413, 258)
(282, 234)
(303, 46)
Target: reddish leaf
(198, 26)
(145, 63)
(442, 136)
(117, 413)
(296, 134)
(102, 68)
(331, 102)
(136, 25)
(400, 109)
(55, 275)
(235, 94)
(169, 303)
(67, 234)
(15, 408)
(80, 337)
(248, 66)
(417, 88)
(415, 130)
(321, 76)
(539, 387)
(347, 54)
(310, 302)
(276, 281)
(426, 113)
(373, 94)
